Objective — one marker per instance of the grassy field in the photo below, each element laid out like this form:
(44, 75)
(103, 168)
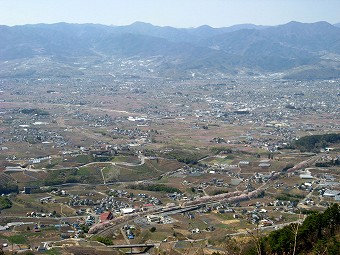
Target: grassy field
(217, 160)
(151, 169)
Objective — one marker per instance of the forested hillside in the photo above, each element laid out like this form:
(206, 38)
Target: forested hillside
(315, 142)
(318, 234)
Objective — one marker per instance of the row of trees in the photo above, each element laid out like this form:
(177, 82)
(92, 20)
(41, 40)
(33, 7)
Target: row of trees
(154, 187)
(34, 111)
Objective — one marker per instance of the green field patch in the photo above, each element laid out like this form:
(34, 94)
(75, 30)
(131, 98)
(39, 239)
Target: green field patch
(53, 251)
(218, 160)
(187, 156)
(87, 174)
(126, 159)
(159, 235)
(111, 173)
(163, 180)
(91, 169)
(56, 177)
(83, 159)
(224, 216)
(221, 225)
(90, 173)
(15, 239)
(125, 173)
(84, 171)
(142, 172)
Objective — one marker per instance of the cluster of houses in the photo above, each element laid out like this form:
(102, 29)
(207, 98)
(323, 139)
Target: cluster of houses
(34, 134)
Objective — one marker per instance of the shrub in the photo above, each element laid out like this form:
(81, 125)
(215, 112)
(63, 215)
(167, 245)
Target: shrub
(104, 240)
(5, 203)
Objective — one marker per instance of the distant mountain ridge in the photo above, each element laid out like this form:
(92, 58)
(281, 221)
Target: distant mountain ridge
(292, 48)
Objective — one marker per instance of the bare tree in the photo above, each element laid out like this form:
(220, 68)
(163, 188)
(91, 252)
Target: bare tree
(295, 230)
(256, 238)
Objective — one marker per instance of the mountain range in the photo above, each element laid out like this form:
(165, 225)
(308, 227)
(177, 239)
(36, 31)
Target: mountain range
(298, 50)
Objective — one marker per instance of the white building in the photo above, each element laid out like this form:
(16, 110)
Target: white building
(127, 210)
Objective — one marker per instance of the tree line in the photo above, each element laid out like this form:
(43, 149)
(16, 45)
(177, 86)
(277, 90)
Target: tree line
(314, 143)
(154, 187)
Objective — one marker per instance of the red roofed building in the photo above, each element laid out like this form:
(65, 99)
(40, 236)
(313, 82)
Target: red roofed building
(106, 216)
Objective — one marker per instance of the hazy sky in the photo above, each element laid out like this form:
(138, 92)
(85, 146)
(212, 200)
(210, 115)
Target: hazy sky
(176, 13)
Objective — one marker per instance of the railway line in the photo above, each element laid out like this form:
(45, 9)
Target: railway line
(108, 229)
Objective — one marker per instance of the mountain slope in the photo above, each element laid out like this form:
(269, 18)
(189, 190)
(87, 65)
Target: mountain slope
(285, 48)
